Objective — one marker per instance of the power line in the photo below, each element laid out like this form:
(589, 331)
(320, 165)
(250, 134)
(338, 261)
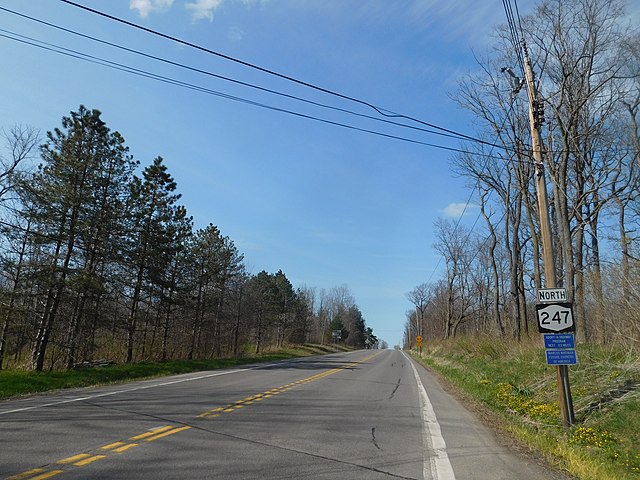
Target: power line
(382, 111)
(476, 186)
(275, 92)
(225, 78)
(179, 83)
(236, 81)
(516, 32)
(515, 29)
(146, 74)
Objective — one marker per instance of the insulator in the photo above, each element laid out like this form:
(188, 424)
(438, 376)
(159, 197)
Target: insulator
(538, 112)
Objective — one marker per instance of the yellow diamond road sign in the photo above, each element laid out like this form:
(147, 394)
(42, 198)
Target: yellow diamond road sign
(419, 339)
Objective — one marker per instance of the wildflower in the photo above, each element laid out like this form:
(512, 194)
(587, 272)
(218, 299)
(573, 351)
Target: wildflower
(592, 437)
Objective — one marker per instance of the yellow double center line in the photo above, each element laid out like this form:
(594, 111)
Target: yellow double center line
(232, 407)
(84, 459)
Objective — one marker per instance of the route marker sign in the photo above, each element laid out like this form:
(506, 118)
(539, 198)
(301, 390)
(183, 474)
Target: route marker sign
(552, 295)
(555, 318)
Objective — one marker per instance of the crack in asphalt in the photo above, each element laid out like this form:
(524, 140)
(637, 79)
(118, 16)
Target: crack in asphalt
(395, 389)
(302, 452)
(373, 438)
(264, 444)
(201, 428)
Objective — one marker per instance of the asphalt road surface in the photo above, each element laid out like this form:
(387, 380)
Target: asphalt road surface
(358, 415)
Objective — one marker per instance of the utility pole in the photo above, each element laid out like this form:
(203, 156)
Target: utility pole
(536, 118)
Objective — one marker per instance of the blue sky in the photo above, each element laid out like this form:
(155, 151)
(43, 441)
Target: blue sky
(327, 205)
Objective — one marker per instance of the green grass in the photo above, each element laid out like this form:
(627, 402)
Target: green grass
(14, 383)
(513, 382)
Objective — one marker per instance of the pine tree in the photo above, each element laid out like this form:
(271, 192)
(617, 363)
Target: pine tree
(72, 202)
(153, 206)
(215, 261)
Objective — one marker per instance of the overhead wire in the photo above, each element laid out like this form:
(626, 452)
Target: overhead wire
(146, 74)
(517, 17)
(267, 90)
(515, 30)
(382, 111)
(517, 39)
(466, 205)
(225, 78)
(132, 70)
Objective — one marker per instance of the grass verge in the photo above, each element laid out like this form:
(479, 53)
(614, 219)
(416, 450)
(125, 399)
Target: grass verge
(14, 383)
(513, 382)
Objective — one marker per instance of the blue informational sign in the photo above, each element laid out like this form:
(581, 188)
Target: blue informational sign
(562, 357)
(559, 340)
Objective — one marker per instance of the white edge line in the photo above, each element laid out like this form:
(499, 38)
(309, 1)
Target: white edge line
(116, 392)
(143, 387)
(439, 464)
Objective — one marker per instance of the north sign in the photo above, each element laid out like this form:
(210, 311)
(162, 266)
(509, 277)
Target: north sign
(555, 318)
(552, 295)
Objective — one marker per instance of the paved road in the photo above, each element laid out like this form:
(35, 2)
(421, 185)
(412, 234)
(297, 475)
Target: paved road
(358, 415)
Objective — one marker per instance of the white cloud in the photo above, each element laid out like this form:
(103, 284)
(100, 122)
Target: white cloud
(236, 34)
(456, 210)
(145, 7)
(203, 9)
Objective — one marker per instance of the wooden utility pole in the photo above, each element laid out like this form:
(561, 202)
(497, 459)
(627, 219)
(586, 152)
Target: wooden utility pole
(536, 118)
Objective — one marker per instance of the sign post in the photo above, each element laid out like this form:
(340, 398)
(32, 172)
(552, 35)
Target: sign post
(536, 119)
(555, 321)
(419, 343)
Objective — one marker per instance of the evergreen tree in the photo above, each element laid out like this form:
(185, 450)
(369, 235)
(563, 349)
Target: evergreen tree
(284, 305)
(153, 209)
(264, 297)
(71, 203)
(173, 281)
(356, 327)
(215, 261)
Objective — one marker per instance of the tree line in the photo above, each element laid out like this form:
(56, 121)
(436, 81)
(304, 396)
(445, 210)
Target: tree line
(99, 260)
(586, 55)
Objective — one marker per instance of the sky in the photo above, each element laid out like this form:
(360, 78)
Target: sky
(326, 204)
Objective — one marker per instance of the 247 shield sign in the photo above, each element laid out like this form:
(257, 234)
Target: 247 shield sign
(555, 318)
